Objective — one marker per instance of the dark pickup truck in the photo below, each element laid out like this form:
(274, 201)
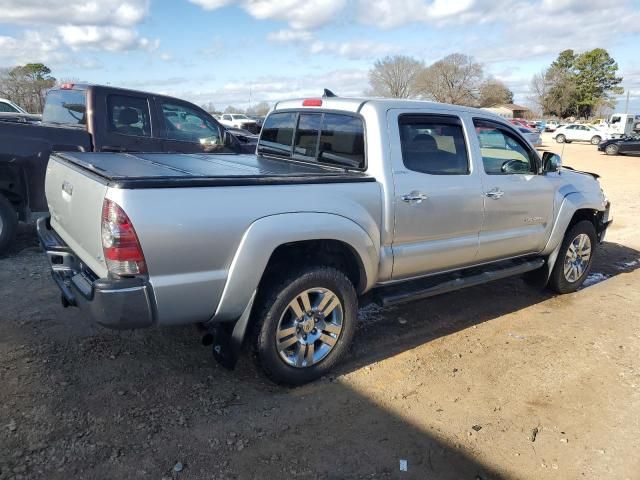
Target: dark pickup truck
(92, 118)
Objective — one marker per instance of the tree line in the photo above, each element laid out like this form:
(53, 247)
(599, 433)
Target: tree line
(574, 84)
(26, 85)
(456, 79)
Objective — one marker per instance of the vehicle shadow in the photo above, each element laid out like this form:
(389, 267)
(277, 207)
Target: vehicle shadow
(386, 332)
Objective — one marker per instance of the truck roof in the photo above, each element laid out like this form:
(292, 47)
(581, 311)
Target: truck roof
(355, 105)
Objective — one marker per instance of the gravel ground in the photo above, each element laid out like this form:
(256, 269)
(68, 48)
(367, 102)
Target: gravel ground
(498, 381)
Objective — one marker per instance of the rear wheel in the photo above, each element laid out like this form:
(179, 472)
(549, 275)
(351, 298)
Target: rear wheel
(612, 149)
(574, 258)
(8, 223)
(595, 140)
(304, 324)
(561, 138)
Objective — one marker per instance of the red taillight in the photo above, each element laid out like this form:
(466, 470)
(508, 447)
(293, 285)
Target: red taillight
(66, 86)
(312, 102)
(122, 250)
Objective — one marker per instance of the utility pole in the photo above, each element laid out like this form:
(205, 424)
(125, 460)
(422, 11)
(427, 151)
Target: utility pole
(626, 106)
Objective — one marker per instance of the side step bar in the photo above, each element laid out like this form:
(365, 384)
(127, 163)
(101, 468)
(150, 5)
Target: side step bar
(431, 286)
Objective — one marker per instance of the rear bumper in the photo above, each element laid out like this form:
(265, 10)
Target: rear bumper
(118, 303)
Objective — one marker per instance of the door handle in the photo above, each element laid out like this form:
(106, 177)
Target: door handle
(414, 197)
(496, 193)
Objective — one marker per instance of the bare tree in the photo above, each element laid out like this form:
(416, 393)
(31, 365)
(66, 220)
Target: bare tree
(261, 108)
(455, 79)
(233, 109)
(494, 92)
(208, 107)
(394, 76)
(27, 85)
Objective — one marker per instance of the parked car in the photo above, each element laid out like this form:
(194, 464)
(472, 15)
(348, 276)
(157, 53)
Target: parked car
(540, 126)
(518, 122)
(279, 248)
(7, 106)
(239, 120)
(532, 136)
(551, 126)
(629, 145)
(579, 133)
(259, 119)
(12, 112)
(118, 120)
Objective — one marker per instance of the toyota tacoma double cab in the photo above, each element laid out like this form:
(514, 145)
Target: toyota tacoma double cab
(94, 118)
(346, 201)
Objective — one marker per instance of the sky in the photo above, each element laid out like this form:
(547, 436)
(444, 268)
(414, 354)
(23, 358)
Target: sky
(240, 52)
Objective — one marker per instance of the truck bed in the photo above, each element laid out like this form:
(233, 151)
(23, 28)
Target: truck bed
(174, 170)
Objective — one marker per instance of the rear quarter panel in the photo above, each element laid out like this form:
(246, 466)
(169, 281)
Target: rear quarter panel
(190, 235)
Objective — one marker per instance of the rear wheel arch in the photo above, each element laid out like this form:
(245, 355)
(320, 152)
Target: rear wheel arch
(327, 252)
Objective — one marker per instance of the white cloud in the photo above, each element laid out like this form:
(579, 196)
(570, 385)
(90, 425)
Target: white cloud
(290, 36)
(356, 50)
(110, 38)
(75, 12)
(30, 47)
(299, 14)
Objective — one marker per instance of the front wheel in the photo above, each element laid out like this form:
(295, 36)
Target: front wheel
(561, 139)
(595, 140)
(574, 258)
(612, 149)
(304, 324)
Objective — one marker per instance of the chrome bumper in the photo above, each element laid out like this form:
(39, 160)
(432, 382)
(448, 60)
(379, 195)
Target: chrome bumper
(118, 303)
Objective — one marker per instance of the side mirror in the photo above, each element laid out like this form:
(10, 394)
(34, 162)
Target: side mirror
(551, 162)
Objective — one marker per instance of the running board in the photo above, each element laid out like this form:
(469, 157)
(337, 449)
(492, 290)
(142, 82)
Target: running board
(436, 285)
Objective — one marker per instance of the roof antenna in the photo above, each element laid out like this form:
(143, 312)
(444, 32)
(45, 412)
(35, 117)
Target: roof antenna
(328, 93)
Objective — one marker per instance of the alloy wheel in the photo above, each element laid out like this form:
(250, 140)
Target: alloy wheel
(577, 258)
(309, 328)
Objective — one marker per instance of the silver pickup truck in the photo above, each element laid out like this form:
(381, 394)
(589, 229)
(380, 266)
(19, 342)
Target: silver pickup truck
(345, 201)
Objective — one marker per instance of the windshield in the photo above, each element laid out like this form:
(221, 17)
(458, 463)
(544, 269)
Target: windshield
(240, 117)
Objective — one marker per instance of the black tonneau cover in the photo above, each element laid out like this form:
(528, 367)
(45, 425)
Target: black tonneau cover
(169, 170)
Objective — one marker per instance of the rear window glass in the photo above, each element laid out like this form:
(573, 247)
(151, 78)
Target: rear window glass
(330, 138)
(129, 115)
(277, 133)
(66, 107)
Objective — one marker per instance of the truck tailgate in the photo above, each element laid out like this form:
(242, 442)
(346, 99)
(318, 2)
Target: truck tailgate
(74, 198)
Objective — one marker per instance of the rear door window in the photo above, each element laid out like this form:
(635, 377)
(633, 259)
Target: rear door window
(65, 107)
(433, 144)
(129, 115)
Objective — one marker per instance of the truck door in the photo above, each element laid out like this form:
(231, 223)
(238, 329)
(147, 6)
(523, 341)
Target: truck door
(438, 203)
(518, 213)
(129, 126)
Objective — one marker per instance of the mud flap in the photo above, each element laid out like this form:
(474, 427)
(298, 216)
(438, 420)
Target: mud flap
(228, 338)
(540, 277)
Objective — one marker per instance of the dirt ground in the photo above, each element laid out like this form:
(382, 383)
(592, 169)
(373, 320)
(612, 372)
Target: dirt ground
(498, 381)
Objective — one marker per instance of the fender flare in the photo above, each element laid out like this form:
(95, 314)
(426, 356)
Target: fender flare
(571, 203)
(268, 233)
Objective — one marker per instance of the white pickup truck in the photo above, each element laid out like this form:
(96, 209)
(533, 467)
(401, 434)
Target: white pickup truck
(346, 201)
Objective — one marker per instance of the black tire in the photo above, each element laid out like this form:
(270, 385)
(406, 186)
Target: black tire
(272, 304)
(558, 281)
(612, 149)
(596, 139)
(8, 223)
(561, 138)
